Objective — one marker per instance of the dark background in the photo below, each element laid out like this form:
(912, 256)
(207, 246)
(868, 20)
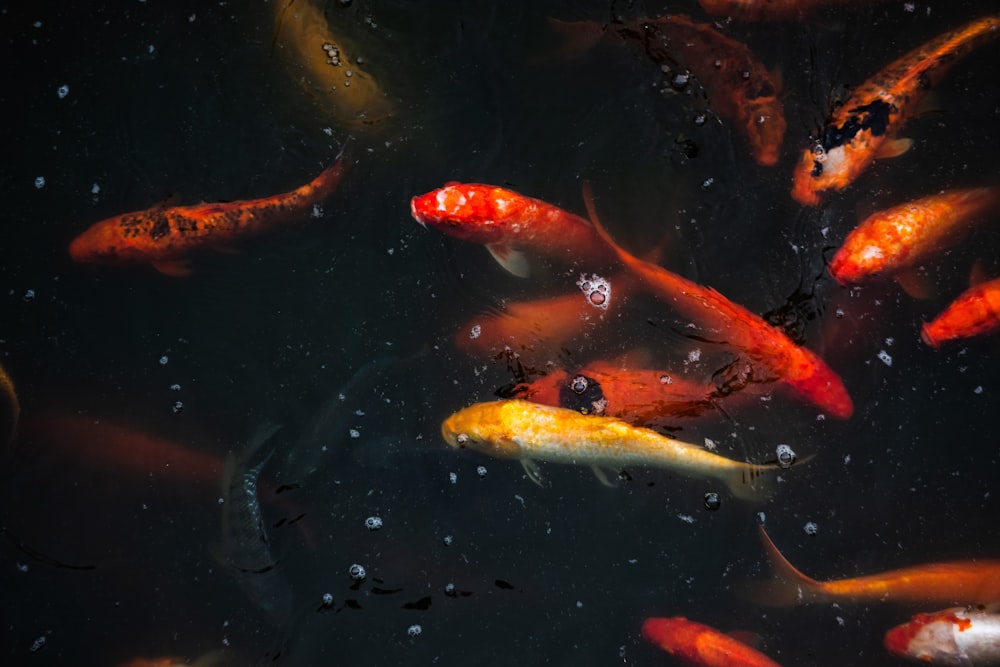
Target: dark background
(188, 102)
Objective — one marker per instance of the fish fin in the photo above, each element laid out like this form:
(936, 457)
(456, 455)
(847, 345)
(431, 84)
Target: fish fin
(893, 148)
(789, 586)
(532, 471)
(177, 268)
(752, 482)
(602, 476)
(576, 37)
(977, 274)
(514, 261)
(916, 283)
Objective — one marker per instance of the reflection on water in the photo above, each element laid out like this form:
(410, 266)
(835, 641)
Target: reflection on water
(134, 387)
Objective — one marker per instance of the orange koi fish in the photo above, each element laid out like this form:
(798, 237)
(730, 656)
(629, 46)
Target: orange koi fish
(957, 636)
(958, 582)
(165, 237)
(211, 659)
(769, 10)
(542, 325)
(13, 404)
(975, 312)
(901, 237)
(864, 127)
(640, 397)
(107, 444)
(798, 367)
(508, 224)
(529, 432)
(738, 86)
(699, 645)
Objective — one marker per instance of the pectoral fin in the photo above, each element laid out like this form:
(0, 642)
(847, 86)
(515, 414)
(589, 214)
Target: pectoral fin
(893, 148)
(602, 476)
(514, 261)
(533, 472)
(916, 283)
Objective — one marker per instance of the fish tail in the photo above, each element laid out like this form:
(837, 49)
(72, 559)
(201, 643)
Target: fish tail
(751, 482)
(789, 586)
(324, 184)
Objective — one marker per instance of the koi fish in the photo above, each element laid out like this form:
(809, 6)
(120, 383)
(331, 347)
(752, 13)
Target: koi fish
(509, 224)
(797, 366)
(108, 444)
(640, 397)
(210, 659)
(543, 325)
(957, 582)
(327, 63)
(529, 432)
(961, 636)
(13, 404)
(165, 237)
(864, 127)
(738, 86)
(699, 645)
(902, 236)
(975, 312)
(769, 10)
(246, 547)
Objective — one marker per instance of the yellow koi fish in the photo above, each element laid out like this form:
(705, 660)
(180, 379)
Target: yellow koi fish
(328, 65)
(527, 431)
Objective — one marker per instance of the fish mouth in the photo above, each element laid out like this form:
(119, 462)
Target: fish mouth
(416, 216)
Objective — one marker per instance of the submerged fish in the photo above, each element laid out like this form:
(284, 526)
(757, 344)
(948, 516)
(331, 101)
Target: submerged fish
(330, 66)
(739, 88)
(638, 396)
(975, 312)
(166, 237)
(902, 236)
(510, 224)
(246, 547)
(732, 324)
(13, 404)
(864, 127)
(961, 636)
(530, 432)
(698, 645)
(543, 326)
(770, 10)
(958, 582)
(210, 659)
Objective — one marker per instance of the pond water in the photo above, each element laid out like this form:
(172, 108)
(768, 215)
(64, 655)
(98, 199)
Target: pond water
(342, 329)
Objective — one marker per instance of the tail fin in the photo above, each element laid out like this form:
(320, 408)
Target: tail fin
(328, 181)
(789, 586)
(752, 482)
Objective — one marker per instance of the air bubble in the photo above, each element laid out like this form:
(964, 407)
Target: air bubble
(786, 456)
(414, 630)
(373, 523)
(357, 572)
(579, 384)
(810, 528)
(712, 501)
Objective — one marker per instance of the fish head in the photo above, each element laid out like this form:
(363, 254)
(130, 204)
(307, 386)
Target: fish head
(805, 188)
(766, 130)
(481, 427)
(854, 262)
(929, 638)
(467, 211)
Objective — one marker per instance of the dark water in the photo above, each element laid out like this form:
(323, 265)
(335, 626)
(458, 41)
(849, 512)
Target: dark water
(189, 102)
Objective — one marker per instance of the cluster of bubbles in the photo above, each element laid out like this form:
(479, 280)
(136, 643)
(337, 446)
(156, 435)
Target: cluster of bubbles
(357, 572)
(596, 289)
(373, 523)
